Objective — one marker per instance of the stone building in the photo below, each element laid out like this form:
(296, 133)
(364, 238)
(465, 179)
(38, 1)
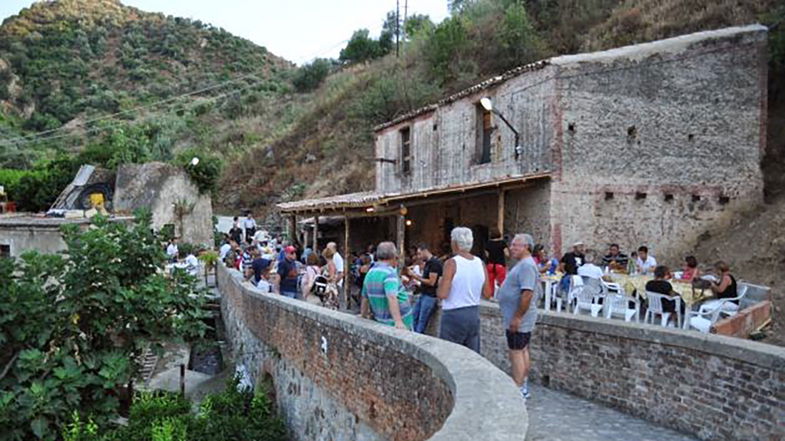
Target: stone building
(651, 144)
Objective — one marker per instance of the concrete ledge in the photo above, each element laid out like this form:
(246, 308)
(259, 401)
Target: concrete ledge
(486, 403)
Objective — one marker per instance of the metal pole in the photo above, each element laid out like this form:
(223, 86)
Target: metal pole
(397, 27)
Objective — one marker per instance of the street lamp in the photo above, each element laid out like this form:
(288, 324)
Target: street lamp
(487, 104)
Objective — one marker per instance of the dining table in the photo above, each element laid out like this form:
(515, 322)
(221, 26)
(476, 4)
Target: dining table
(637, 284)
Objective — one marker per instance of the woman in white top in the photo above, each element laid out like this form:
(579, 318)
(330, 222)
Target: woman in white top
(463, 283)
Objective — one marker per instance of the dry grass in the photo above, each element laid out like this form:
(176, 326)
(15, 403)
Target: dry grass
(637, 21)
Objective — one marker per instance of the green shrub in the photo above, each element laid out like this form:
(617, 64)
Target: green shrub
(205, 173)
(311, 75)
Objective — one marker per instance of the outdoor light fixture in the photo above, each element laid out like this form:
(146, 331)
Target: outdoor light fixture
(370, 210)
(487, 104)
(408, 222)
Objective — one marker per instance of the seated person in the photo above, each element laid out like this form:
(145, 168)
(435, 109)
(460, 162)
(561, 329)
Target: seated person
(589, 269)
(615, 259)
(544, 264)
(660, 285)
(645, 263)
(726, 287)
(591, 273)
(690, 269)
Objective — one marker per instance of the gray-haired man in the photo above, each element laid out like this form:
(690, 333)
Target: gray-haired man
(518, 297)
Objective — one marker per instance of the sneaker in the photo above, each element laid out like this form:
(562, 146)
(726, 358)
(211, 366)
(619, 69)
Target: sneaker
(525, 392)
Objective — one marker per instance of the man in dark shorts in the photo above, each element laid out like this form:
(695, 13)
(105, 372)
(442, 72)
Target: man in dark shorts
(429, 281)
(518, 297)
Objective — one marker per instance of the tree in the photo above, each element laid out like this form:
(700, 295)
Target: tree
(360, 47)
(72, 328)
(311, 75)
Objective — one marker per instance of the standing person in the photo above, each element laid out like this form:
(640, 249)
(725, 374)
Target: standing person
(429, 282)
(645, 262)
(496, 252)
(236, 232)
(225, 247)
(288, 272)
(250, 226)
(518, 298)
(462, 284)
(383, 295)
(172, 250)
(312, 271)
(339, 263)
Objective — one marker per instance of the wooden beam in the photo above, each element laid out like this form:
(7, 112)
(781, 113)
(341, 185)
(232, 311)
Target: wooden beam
(500, 212)
(293, 228)
(346, 263)
(315, 233)
(401, 236)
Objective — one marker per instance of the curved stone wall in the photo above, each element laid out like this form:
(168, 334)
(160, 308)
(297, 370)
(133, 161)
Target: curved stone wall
(715, 387)
(337, 376)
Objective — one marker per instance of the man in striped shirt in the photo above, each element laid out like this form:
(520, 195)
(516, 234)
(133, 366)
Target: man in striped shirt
(383, 294)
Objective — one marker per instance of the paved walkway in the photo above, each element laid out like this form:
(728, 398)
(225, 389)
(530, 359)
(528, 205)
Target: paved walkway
(556, 416)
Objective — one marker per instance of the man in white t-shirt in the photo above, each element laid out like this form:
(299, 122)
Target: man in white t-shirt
(338, 260)
(645, 262)
(589, 269)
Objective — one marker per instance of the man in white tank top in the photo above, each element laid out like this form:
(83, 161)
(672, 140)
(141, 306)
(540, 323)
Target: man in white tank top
(463, 283)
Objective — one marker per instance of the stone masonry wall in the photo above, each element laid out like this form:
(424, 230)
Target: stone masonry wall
(444, 142)
(158, 187)
(715, 387)
(661, 141)
(337, 376)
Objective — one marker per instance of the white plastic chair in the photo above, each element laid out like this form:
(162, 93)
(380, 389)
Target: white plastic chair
(730, 306)
(586, 298)
(619, 304)
(655, 308)
(576, 284)
(704, 318)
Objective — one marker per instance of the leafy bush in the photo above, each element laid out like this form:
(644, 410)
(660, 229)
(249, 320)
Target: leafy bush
(311, 75)
(361, 47)
(229, 415)
(72, 328)
(205, 173)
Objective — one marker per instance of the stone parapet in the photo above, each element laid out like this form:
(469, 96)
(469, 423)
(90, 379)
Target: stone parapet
(712, 386)
(337, 376)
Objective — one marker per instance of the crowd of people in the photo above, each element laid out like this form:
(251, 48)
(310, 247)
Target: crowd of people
(405, 294)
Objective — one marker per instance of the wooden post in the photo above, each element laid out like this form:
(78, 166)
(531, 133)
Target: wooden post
(500, 213)
(315, 232)
(293, 228)
(346, 262)
(401, 233)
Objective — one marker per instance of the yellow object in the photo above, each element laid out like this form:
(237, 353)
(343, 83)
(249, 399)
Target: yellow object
(97, 199)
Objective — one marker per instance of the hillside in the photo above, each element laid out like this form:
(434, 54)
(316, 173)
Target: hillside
(65, 63)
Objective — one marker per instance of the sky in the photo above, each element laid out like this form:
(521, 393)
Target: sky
(298, 30)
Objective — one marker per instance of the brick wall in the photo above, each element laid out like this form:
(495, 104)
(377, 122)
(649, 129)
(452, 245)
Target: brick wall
(337, 376)
(715, 387)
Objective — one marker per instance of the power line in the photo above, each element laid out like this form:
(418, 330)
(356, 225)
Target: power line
(9, 141)
(116, 124)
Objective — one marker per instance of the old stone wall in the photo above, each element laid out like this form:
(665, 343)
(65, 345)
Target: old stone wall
(661, 141)
(338, 376)
(527, 210)
(168, 192)
(444, 141)
(715, 387)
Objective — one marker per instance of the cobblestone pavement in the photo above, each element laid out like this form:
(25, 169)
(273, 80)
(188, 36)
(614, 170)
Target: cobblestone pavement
(556, 416)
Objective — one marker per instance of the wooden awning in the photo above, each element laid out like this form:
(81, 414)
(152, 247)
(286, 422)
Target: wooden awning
(375, 203)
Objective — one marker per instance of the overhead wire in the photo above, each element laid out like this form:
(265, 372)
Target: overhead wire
(117, 123)
(38, 135)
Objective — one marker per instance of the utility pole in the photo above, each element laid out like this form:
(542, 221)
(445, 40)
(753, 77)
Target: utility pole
(405, 16)
(397, 27)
